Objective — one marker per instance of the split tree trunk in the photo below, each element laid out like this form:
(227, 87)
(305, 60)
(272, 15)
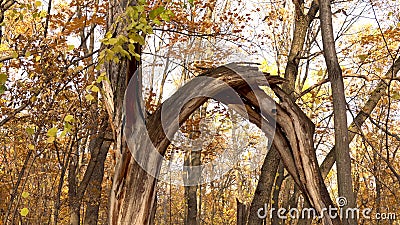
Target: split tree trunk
(133, 187)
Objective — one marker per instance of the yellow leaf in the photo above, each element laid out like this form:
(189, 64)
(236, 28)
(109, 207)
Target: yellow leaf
(69, 118)
(33, 99)
(14, 55)
(43, 14)
(38, 58)
(71, 47)
(320, 72)
(52, 132)
(30, 130)
(25, 194)
(38, 3)
(31, 147)
(50, 140)
(89, 97)
(95, 88)
(24, 211)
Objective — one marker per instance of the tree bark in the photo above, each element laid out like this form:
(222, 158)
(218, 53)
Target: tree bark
(263, 191)
(94, 188)
(73, 201)
(275, 195)
(302, 23)
(192, 161)
(295, 133)
(98, 150)
(342, 150)
(241, 213)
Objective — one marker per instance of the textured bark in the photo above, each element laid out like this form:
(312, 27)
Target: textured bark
(293, 139)
(241, 213)
(342, 150)
(301, 25)
(358, 121)
(275, 196)
(98, 149)
(94, 188)
(294, 133)
(132, 196)
(263, 191)
(73, 201)
(193, 173)
(299, 131)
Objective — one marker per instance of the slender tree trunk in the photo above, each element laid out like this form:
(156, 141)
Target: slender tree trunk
(192, 161)
(93, 191)
(241, 213)
(74, 202)
(342, 150)
(275, 196)
(366, 110)
(98, 150)
(16, 186)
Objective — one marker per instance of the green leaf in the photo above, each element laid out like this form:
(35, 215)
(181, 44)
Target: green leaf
(25, 194)
(120, 50)
(131, 48)
(396, 96)
(3, 78)
(63, 133)
(156, 12)
(363, 57)
(71, 47)
(30, 130)
(140, 8)
(67, 126)
(165, 17)
(52, 132)
(157, 22)
(136, 38)
(115, 60)
(2, 89)
(112, 41)
(99, 79)
(69, 118)
(24, 212)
